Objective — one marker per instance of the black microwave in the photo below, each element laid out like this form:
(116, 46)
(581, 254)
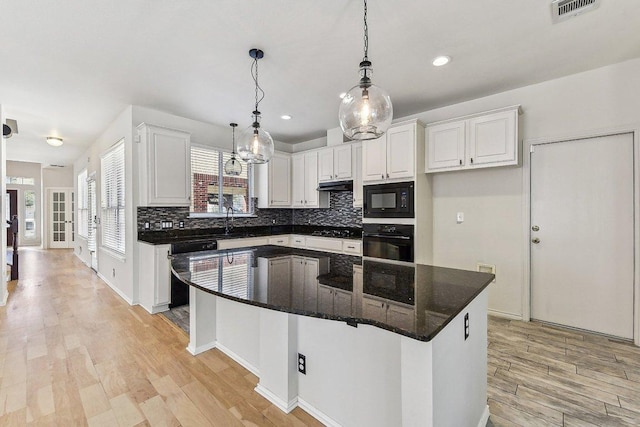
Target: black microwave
(394, 200)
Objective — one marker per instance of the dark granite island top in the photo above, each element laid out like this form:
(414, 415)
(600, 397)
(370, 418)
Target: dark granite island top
(424, 298)
(417, 356)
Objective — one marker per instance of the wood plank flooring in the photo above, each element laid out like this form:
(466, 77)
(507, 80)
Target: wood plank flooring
(72, 353)
(541, 375)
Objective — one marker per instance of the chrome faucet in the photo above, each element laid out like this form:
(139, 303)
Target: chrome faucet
(226, 220)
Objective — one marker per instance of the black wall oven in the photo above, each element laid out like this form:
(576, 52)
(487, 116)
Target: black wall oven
(386, 241)
(393, 200)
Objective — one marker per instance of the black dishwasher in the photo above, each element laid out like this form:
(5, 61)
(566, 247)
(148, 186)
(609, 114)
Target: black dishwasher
(180, 290)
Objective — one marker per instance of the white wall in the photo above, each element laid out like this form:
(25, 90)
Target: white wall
(118, 272)
(57, 177)
(28, 170)
(492, 199)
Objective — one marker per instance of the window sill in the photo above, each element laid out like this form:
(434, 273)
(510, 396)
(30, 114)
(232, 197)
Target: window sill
(113, 254)
(220, 216)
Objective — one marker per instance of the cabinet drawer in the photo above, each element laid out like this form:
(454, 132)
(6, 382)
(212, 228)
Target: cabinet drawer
(331, 245)
(279, 240)
(352, 247)
(242, 243)
(298, 241)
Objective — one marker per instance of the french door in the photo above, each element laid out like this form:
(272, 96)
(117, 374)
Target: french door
(582, 234)
(61, 221)
(92, 228)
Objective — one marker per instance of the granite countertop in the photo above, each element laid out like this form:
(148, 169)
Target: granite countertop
(427, 297)
(188, 235)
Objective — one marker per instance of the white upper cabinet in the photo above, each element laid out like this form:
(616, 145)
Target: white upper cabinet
(165, 166)
(334, 163)
(304, 182)
(479, 141)
(391, 157)
(273, 182)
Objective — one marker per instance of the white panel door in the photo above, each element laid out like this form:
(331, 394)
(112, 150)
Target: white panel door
(582, 226)
(374, 159)
(492, 138)
(342, 162)
(310, 180)
(445, 146)
(401, 143)
(298, 186)
(60, 219)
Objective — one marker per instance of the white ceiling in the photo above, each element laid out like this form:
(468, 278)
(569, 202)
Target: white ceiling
(69, 67)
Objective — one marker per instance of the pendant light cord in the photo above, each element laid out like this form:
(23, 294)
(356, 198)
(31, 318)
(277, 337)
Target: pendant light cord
(366, 34)
(254, 74)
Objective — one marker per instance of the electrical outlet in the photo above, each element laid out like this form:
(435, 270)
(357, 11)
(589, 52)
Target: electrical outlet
(466, 326)
(302, 364)
(113, 272)
(147, 225)
(181, 224)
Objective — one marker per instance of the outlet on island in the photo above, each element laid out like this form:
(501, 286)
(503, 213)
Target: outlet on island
(302, 364)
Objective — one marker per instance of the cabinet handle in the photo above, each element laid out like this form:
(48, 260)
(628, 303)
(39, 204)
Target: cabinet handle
(472, 160)
(460, 162)
(387, 175)
(382, 176)
(350, 247)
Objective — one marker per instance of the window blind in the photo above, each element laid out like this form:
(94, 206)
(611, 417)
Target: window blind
(113, 188)
(83, 205)
(212, 190)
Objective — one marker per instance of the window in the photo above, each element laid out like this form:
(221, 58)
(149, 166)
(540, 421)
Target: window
(83, 205)
(20, 180)
(29, 214)
(113, 185)
(210, 185)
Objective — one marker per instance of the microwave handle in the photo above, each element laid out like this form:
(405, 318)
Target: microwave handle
(386, 236)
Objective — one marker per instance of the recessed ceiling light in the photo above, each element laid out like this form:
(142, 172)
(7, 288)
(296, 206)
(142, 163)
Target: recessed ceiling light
(441, 60)
(285, 117)
(342, 95)
(54, 141)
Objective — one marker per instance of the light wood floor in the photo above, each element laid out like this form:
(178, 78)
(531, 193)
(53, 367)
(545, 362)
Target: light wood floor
(540, 375)
(73, 353)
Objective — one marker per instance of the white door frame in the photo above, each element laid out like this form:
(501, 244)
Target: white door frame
(526, 206)
(47, 211)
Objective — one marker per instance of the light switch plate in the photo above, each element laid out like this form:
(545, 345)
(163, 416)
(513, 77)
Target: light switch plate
(460, 217)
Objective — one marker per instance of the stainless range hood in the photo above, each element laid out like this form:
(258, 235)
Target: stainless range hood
(336, 186)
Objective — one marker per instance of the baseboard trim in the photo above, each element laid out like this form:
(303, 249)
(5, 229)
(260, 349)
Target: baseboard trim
(115, 289)
(318, 415)
(504, 315)
(194, 351)
(284, 406)
(485, 417)
(245, 364)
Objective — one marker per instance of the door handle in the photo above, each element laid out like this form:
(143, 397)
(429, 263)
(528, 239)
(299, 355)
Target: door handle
(535, 240)
(535, 228)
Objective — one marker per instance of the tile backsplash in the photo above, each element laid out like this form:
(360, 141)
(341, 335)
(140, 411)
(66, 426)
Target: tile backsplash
(341, 213)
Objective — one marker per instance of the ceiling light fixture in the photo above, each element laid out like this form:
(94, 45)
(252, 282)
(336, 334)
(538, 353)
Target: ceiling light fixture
(233, 165)
(285, 117)
(342, 95)
(54, 141)
(257, 144)
(365, 111)
(439, 61)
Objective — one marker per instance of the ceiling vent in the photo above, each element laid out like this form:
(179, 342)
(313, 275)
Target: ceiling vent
(561, 10)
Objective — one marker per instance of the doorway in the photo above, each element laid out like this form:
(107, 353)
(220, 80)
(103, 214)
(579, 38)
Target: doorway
(11, 203)
(582, 234)
(61, 227)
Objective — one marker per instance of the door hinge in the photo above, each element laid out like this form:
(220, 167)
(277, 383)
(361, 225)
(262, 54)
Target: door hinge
(532, 149)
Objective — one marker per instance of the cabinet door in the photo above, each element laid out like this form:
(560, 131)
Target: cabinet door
(280, 180)
(342, 162)
(374, 309)
(342, 302)
(311, 197)
(298, 174)
(162, 276)
(445, 146)
(325, 165)
(169, 166)
(325, 299)
(400, 316)
(401, 143)
(374, 160)
(358, 192)
(279, 281)
(493, 139)
(297, 282)
(311, 267)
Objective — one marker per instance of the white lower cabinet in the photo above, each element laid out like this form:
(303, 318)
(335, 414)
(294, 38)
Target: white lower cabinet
(154, 278)
(305, 272)
(279, 240)
(279, 291)
(387, 311)
(334, 301)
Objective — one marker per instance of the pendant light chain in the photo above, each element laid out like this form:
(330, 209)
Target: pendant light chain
(254, 74)
(366, 34)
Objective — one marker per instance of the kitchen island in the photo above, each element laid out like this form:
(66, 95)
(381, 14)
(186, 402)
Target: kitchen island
(383, 344)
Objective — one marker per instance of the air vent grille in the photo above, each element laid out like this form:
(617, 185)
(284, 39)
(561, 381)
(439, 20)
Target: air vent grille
(562, 10)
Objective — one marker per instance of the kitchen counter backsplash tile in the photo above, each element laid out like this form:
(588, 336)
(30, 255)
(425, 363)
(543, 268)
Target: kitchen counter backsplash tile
(340, 214)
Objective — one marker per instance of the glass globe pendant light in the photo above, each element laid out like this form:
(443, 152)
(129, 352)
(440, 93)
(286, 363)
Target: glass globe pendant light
(256, 145)
(233, 165)
(365, 111)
